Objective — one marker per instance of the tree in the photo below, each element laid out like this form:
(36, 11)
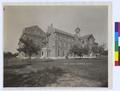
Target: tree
(76, 50)
(29, 47)
(15, 54)
(95, 49)
(79, 51)
(8, 55)
(101, 49)
(98, 49)
(105, 53)
(85, 51)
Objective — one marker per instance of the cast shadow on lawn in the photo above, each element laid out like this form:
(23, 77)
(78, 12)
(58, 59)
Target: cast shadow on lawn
(40, 78)
(15, 66)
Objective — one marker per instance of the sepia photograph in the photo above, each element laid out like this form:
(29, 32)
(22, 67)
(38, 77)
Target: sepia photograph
(55, 45)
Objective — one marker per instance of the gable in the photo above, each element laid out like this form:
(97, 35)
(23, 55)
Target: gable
(34, 30)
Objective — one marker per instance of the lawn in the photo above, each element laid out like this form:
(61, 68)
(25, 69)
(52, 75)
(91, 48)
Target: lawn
(56, 73)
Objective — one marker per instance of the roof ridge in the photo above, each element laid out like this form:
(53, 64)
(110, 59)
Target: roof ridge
(86, 36)
(64, 32)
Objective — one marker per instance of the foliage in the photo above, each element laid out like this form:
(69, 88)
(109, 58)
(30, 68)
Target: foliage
(85, 51)
(99, 49)
(105, 53)
(9, 54)
(75, 49)
(95, 49)
(15, 54)
(79, 51)
(28, 47)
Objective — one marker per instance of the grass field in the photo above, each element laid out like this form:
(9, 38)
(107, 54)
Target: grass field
(56, 73)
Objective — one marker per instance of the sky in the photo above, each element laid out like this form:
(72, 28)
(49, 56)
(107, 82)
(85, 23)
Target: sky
(90, 20)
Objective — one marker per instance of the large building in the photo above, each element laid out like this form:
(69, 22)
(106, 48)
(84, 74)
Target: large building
(58, 42)
(34, 33)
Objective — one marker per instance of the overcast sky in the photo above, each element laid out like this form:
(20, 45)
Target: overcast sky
(90, 19)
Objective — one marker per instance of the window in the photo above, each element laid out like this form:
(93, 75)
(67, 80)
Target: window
(63, 53)
(42, 53)
(58, 51)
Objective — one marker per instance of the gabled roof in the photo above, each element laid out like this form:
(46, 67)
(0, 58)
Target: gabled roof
(63, 32)
(35, 33)
(56, 30)
(87, 36)
(34, 30)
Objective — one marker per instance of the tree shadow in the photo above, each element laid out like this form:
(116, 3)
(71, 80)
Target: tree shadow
(40, 78)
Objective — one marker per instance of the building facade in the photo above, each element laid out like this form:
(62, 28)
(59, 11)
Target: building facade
(58, 42)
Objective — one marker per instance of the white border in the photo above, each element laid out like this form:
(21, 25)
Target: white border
(72, 4)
